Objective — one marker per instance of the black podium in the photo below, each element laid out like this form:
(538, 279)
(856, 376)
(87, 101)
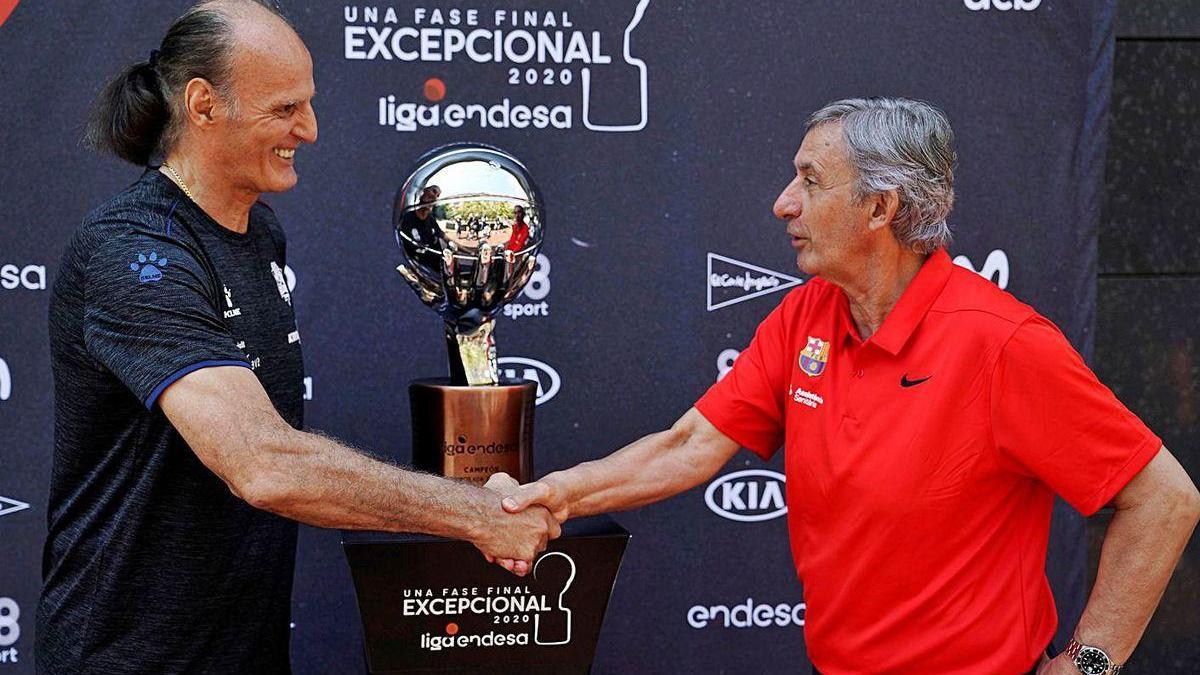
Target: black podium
(430, 604)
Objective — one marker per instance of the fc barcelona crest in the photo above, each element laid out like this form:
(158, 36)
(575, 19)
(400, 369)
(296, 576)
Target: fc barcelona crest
(814, 356)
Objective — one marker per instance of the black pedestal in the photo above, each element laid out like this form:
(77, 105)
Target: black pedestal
(431, 604)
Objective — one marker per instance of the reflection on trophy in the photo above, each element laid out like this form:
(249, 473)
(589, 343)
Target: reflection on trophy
(469, 222)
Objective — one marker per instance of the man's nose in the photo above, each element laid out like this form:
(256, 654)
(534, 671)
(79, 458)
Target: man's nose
(306, 127)
(787, 204)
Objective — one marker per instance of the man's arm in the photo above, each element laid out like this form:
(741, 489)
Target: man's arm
(226, 417)
(648, 470)
(1154, 517)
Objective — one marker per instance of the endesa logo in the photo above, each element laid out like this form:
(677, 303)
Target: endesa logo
(10, 630)
(486, 65)
(748, 614)
(748, 496)
(1002, 5)
(29, 277)
(995, 268)
(521, 368)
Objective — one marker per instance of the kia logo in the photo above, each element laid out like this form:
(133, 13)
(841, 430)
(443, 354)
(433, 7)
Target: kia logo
(747, 496)
(520, 368)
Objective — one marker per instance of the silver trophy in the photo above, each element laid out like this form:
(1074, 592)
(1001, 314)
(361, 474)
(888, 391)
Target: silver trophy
(469, 221)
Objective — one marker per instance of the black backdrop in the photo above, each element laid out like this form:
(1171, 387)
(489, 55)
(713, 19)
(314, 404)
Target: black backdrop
(661, 254)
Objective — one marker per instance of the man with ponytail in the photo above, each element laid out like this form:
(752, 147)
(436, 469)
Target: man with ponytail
(180, 468)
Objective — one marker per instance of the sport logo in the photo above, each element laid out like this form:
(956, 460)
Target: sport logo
(995, 268)
(29, 277)
(748, 496)
(1002, 5)
(521, 368)
(536, 290)
(731, 281)
(498, 67)
(5, 381)
(148, 267)
(10, 629)
(8, 506)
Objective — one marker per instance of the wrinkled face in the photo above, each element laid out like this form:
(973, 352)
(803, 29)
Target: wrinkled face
(828, 230)
(273, 82)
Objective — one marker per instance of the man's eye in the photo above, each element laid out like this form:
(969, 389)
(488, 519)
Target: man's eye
(808, 180)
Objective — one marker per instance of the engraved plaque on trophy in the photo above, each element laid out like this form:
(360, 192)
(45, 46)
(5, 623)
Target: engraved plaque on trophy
(469, 221)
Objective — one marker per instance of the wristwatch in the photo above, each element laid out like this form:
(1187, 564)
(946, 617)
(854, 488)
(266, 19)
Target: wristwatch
(1091, 660)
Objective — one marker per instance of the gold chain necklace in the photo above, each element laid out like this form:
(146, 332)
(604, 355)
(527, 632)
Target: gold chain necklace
(179, 180)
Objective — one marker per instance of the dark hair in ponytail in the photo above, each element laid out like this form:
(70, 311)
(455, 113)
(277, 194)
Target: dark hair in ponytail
(139, 113)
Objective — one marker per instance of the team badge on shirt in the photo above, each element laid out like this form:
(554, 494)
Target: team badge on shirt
(814, 356)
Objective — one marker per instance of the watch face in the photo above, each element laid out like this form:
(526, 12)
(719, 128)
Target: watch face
(1091, 661)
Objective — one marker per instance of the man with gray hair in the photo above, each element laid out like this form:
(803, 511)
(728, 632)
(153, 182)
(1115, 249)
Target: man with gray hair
(928, 420)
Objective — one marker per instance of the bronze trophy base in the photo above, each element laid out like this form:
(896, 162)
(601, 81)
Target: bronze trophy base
(472, 432)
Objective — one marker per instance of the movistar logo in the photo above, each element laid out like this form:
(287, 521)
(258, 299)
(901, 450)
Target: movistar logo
(995, 268)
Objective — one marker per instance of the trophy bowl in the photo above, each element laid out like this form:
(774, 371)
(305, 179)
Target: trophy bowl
(469, 221)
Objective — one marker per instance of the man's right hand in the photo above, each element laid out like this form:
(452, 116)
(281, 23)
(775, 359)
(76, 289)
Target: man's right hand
(515, 537)
(546, 493)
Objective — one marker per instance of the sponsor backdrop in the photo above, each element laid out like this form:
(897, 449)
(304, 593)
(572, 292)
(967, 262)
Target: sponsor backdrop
(660, 133)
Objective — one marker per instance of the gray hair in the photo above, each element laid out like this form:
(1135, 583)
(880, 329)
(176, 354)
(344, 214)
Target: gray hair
(902, 145)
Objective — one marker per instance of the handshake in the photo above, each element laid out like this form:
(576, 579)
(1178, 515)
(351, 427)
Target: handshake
(529, 517)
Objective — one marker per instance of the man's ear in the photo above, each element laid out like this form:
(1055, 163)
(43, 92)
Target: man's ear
(200, 100)
(883, 209)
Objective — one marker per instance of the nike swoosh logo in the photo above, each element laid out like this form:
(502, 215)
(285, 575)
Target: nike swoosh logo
(905, 382)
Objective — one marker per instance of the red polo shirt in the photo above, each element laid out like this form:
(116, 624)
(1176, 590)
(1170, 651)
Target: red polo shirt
(922, 465)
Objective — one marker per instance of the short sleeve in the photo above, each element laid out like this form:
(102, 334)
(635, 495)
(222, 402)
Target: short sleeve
(150, 316)
(1052, 419)
(747, 405)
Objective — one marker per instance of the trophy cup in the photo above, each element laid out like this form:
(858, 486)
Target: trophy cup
(469, 221)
